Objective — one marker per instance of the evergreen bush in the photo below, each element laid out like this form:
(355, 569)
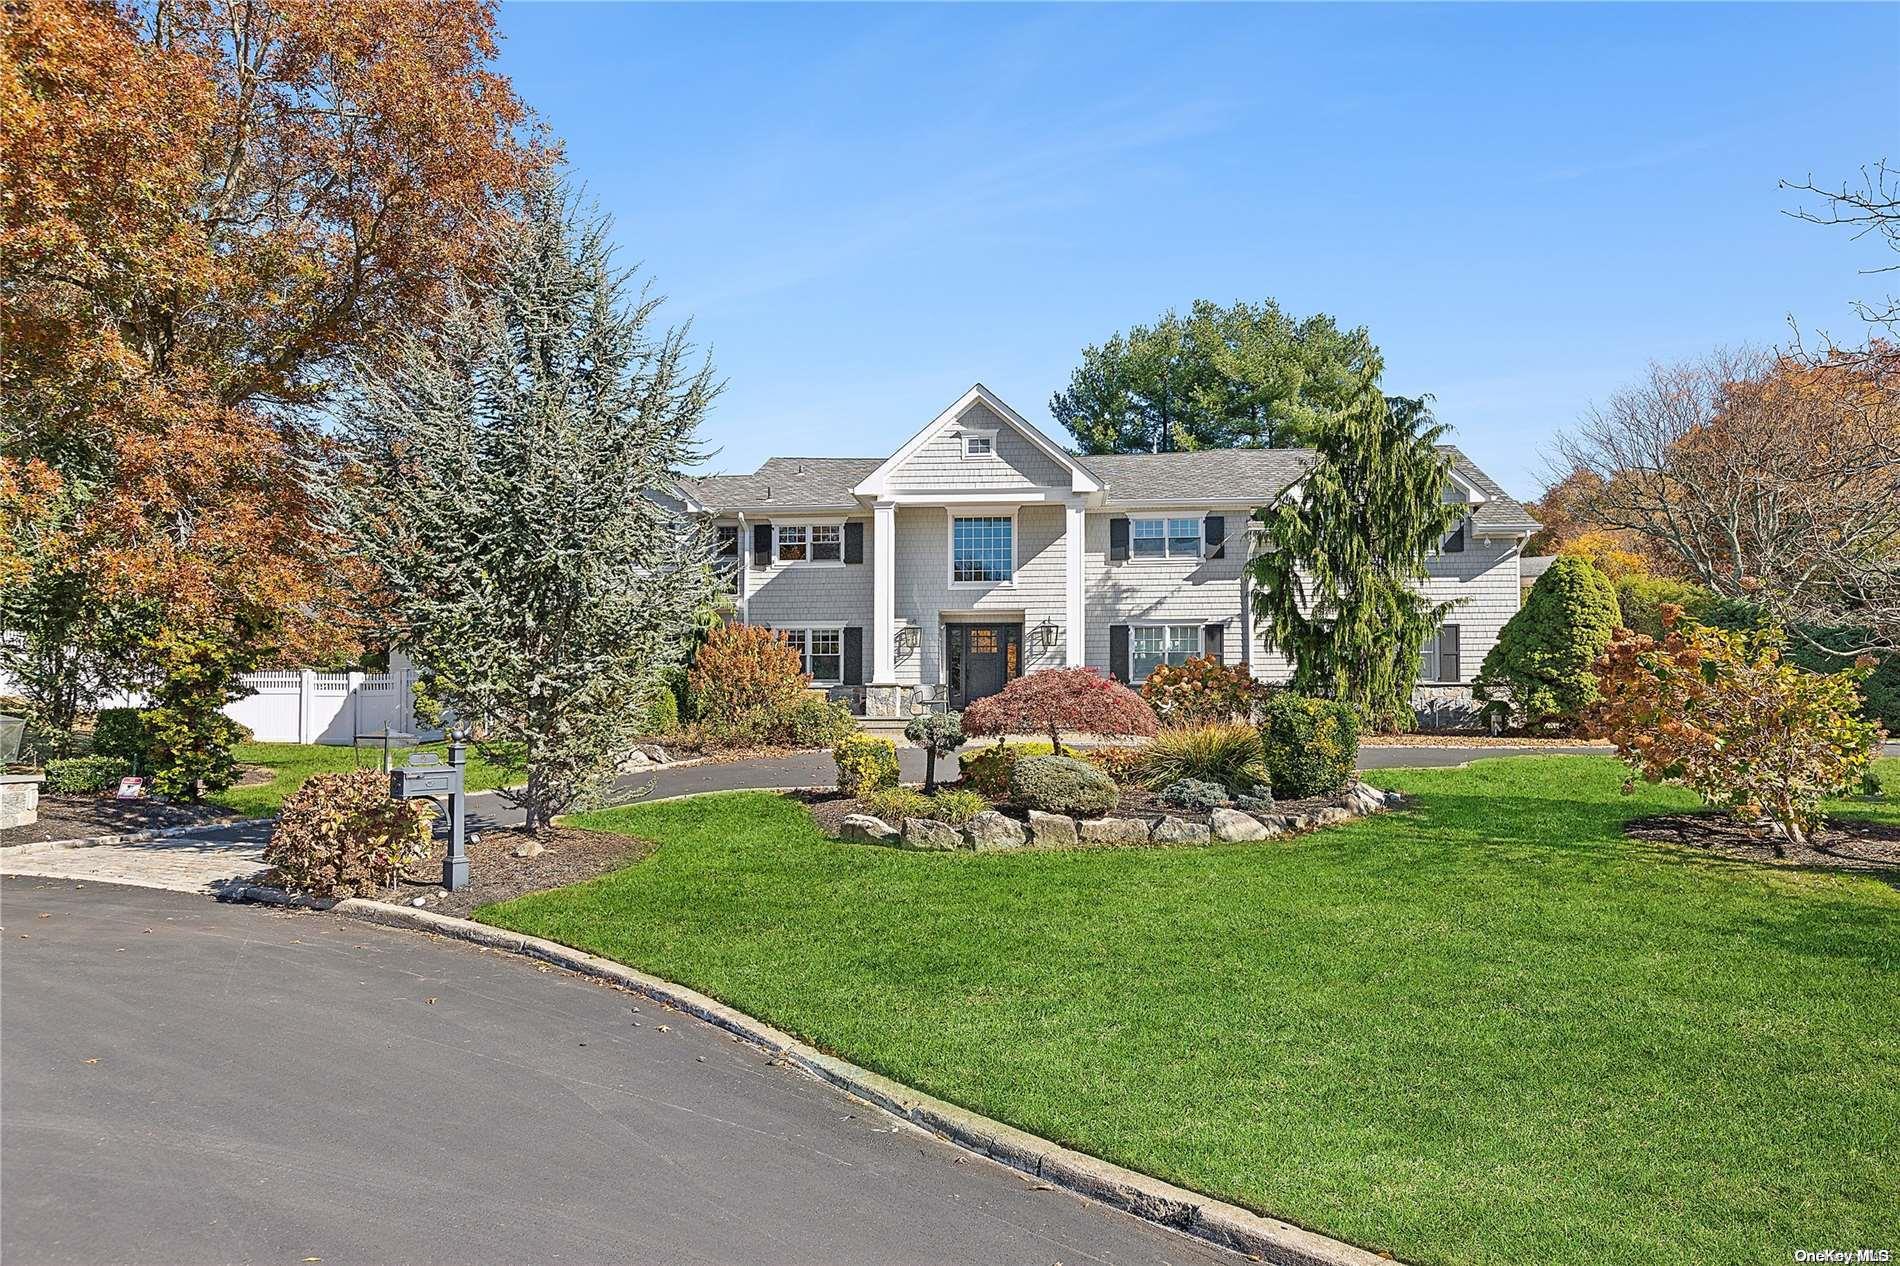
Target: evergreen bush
(1062, 784)
(865, 764)
(84, 775)
(1544, 656)
(1309, 745)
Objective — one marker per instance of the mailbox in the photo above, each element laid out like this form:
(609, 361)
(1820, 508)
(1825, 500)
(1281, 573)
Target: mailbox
(424, 777)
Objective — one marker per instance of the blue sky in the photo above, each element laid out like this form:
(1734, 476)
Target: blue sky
(865, 209)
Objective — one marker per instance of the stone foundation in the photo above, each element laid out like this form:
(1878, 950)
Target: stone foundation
(19, 800)
(887, 703)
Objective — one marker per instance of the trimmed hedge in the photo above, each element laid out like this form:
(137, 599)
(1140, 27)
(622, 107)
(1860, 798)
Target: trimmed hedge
(1062, 784)
(85, 775)
(1310, 745)
(986, 771)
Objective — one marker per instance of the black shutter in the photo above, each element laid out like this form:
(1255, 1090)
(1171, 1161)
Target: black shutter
(1455, 543)
(761, 544)
(1450, 668)
(1216, 535)
(1118, 645)
(1118, 543)
(854, 541)
(1213, 641)
(853, 654)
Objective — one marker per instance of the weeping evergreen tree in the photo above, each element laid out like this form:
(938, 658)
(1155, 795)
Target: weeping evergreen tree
(504, 487)
(1338, 585)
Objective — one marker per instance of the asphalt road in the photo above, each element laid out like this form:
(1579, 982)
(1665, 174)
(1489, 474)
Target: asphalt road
(185, 1081)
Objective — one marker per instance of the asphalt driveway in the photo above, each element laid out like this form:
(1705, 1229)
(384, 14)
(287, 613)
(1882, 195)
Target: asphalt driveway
(192, 1082)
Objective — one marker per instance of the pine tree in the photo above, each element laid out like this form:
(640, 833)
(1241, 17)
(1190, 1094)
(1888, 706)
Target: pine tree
(1337, 587)
(504, 486)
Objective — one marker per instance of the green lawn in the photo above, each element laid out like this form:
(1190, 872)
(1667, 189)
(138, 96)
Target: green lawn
(1487, 1029)
(294, 762)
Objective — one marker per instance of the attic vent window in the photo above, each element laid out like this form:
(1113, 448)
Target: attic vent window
(978, 445)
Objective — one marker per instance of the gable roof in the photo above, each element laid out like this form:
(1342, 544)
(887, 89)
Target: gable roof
(877, 483)
(785, 483)
(1499, 513)
(1208, 474)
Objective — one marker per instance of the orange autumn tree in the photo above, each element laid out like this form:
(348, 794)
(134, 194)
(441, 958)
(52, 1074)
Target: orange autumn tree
(208, 205)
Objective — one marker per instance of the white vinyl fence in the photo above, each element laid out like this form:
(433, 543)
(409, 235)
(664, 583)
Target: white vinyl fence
(311, 707)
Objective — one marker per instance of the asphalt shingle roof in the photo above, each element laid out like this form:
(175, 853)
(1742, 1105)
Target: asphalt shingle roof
(825, 483)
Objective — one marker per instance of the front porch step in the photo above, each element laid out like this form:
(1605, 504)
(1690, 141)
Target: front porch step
(884, 727)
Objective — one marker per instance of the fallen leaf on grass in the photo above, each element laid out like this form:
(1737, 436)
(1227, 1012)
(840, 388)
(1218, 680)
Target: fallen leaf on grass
(430, 1001)
(665, 1029)
(93, 1060)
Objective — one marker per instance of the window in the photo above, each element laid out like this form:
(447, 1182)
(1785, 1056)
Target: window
(814, 543)
(827, 543)
(1440, 658)
(1165, 538)
(982, 550)
(820, 652)
(978, 445)
(726, 554)
(1155, 645)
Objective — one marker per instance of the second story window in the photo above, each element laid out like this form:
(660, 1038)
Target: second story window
(827, 543)
(982, 549)
(1165, 538)
(794, 544)
(726, 554)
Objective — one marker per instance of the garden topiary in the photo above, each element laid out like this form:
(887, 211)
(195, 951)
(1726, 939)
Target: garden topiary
(1192, 793)
(1309, 745)
(1543, 657)
(865, 764)
(1056, 700)
(1062, 784)
(939, 734)
(84, 775)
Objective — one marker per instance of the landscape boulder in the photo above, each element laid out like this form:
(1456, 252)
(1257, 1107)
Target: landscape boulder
(1362, 798)
(1233, 825)
(1113, 831)
(1052, 830)
(1179, 831)
(867, 829)
(929, 835)
(990, 831)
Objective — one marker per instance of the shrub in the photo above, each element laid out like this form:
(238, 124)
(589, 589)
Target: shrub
(1052, 700)
(1640, 599)
(1724, 714)
(745, 682)
(121, 732)
(1308, 745)
(865, 764)
(1192, 793)
(1260, 801)
(341, 835)
(1062, 784)
(1121, 764)
(939, 734)
(1202, 690)
(1544, 654)
(190, 737)
(894, 804)
(85, 775)
(986, 770)
(663, 713)
(816, 721)
(956, 806)
(1226, 753)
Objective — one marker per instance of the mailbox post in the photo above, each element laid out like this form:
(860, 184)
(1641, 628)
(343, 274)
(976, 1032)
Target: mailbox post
(425, 777)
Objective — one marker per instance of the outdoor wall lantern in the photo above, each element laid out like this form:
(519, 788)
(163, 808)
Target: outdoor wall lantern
(907, 640)
(1047, 634)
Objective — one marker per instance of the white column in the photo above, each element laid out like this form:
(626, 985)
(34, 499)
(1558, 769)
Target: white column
(1076, 636)
(884, 594)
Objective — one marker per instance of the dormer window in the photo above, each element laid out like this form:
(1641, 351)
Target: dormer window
(979, 445)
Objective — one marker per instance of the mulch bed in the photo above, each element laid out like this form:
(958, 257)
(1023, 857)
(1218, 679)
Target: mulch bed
(829, 809)
(1842, 845)
(82, 817)
(496, 874)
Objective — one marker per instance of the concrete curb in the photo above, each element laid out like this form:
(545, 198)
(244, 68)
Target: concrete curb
(1203, 1217)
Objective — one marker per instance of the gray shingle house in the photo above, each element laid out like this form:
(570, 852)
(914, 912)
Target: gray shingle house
(981, 550)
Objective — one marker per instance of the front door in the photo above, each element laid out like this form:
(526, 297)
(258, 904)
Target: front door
(980, 658)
